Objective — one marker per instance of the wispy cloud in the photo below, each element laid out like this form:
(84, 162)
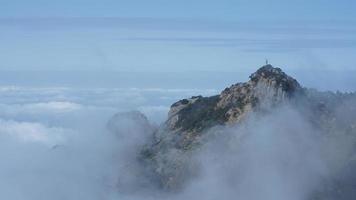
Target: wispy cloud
(167, 44)
(258, 35)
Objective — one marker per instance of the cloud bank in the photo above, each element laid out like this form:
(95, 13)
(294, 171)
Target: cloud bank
(55, 144)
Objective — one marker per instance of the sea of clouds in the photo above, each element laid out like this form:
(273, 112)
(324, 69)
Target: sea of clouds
(54, 143)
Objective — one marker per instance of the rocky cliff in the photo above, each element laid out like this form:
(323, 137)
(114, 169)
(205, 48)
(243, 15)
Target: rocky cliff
(189, 119)
(191, 122)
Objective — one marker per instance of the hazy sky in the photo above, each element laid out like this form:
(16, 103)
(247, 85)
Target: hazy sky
(185, 35)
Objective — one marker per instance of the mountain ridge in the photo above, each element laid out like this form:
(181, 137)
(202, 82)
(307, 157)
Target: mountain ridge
(188, 119)
(192, 122)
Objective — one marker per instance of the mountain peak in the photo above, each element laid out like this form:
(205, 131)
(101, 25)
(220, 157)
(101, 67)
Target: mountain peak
(188, 119)
(267, 71)
(191, 122)
(267, 87)
(274, 77)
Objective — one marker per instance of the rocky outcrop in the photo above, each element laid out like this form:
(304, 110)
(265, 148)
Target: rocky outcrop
(168, 158)
(189, 119)
(266, 88)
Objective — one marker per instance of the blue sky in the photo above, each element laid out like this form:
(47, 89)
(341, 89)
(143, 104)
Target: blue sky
(180, 35)
(207, 9)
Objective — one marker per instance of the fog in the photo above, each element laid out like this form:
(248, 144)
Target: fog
(272, 157)
(55, 144)
(76, 74)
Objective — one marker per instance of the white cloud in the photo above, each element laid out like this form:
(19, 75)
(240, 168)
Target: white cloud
(33, 120)
(33, 132)
(54, 106)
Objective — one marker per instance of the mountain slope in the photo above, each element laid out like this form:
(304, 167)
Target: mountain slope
(169, 158)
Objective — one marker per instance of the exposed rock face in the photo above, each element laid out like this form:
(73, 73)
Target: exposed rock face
(188, 119)
(267, 87)
(169, 155)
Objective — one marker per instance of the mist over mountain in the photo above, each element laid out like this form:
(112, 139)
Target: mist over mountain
(171, 100)
(267, 138)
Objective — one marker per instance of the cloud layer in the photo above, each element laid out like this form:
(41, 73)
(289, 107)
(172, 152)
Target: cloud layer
(54, 143)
